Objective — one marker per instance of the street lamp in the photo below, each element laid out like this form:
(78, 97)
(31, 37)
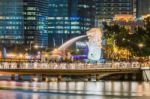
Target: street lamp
(30, 46)
(36, 46)
(140, 45)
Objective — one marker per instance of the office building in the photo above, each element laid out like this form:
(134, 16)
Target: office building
(11, 22)
(44, 22)
(68, 19)
(106, 9)
(143, 7)
(35, 15)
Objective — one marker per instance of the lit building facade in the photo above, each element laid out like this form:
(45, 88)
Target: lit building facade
(23, 22)
(106, 9)
(44, 22)
(129, 21)
(35, 16)
(11, 22)
(30, 21)
(143, 7)
(68, 19)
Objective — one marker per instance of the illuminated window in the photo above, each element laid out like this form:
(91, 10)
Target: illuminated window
(59, 18)
(74, 23)
(31, 18)
(1, 17)
(31, 8)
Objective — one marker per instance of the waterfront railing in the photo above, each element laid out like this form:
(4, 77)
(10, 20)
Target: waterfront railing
(69, 66)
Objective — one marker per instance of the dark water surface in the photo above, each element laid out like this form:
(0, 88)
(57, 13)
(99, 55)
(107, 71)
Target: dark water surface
(74, 90)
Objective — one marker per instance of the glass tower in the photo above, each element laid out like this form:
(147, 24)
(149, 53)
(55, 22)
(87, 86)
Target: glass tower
(106, 9)
(11, 22)
(30, 21)
(44, 22)
(35, 13)
(69, 18)
(143, 7)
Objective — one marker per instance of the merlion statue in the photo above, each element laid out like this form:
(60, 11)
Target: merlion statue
(94, 44)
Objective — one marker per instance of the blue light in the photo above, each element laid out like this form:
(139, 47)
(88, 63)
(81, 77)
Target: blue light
(74, 18)
(67, 27)
(41, 17)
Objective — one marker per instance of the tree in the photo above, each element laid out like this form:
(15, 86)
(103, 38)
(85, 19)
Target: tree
(138, 42)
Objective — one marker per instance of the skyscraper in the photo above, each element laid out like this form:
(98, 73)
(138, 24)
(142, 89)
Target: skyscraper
(44, 21)
(69, 18)
(11, 22)
(143, 7)
(35, 15)
(106, 9)
(30, 20)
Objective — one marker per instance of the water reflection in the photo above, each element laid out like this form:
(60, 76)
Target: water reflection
(74, 90)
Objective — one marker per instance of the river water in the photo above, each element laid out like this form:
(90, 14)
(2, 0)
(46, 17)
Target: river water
(74, 90)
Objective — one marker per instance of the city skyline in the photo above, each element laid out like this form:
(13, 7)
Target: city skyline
(50, 23)
(74, 49)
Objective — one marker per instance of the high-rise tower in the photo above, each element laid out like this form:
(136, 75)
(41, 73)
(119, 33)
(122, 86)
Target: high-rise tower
(69, 18)
(106, 9)
(35, 13)
(143, 7)
(11, 22)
